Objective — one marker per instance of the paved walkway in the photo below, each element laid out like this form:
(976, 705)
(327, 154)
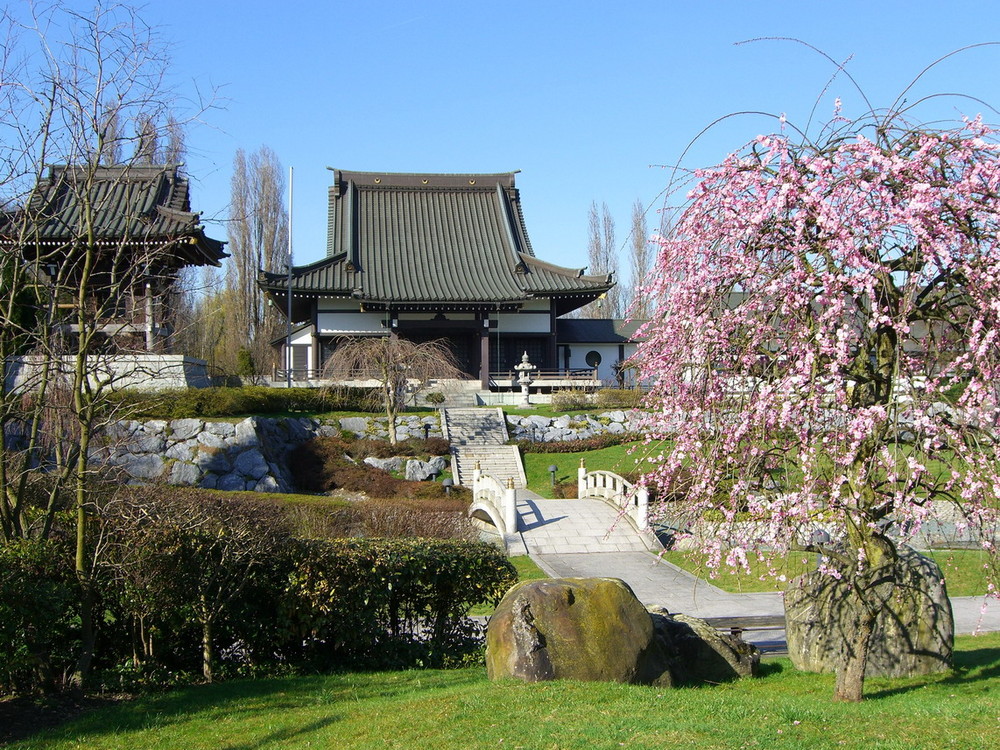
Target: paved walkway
(565, 527)
(568, 538)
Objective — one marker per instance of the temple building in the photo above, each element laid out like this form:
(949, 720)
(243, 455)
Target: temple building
(138, 222)
(431, 256)
(119, 234)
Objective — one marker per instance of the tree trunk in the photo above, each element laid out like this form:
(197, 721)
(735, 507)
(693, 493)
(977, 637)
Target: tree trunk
(850, 682)
(84, 571)
(78, 679)
(206, 648)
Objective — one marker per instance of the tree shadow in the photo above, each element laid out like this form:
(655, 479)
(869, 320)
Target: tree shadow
(283, 734)
(273, 695)
(970, 666)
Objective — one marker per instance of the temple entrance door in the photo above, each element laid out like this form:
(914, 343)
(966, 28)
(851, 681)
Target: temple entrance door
(463, 344)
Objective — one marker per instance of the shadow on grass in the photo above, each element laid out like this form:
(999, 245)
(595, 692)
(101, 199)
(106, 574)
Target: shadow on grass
(970, 666)
(284, 734)
(273, 695)
(769, 668)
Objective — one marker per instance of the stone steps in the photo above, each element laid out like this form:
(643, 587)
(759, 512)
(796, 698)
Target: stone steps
(502, 462)
(474, 426)
(480, 435)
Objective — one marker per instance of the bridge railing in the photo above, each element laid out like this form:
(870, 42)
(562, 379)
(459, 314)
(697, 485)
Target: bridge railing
(497, 499)
(630, 499)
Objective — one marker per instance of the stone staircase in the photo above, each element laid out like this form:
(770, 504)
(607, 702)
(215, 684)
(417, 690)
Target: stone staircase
(480, 436)
(457, 393)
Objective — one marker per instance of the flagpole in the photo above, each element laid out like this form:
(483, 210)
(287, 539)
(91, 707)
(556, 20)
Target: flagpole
(288, 322)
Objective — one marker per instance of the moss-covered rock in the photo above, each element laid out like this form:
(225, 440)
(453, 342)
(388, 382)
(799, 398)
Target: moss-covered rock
(596, 629)
(914, 634)
(698, 653)
(571, 628)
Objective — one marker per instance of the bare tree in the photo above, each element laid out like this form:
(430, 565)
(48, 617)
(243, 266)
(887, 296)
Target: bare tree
(397, 365)
(603, 258)
(147, 143)
(174, 150)
(638, 304)
(70, 82)
(258, 231)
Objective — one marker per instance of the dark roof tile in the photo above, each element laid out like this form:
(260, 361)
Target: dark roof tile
(127, 203)
(433, 238)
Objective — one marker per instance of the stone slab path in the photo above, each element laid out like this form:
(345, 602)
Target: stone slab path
(574, 526)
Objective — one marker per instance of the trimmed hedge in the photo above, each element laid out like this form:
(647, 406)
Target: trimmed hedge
(619, 398)
(275, 601)
(597, 442)
(182, 403)
(377, 603)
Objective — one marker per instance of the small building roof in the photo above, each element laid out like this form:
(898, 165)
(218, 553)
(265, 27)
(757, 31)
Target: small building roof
(597, 330)
(433, 239)
(128, 203)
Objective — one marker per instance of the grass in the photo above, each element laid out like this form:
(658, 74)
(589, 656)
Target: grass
(617, 458)
(462, 709)
(527, 570)
(963, 570)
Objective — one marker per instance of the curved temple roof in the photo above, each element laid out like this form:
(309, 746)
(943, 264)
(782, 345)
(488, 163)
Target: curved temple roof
(127, 203)
(433, 238)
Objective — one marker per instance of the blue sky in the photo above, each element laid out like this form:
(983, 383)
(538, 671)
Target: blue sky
(585, 98)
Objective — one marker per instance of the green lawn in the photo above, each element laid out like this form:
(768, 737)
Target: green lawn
(963, 571)
(617, 458)
(461, 709)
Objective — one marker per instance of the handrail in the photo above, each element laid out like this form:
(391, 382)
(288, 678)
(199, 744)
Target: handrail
(617, 492)
(557, 374)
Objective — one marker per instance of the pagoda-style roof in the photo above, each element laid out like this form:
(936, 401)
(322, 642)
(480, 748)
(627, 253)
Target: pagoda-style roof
(433, 239)
(598, 330)
(128, 204)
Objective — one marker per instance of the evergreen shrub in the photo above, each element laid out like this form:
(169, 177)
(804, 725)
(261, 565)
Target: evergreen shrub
(181, 403)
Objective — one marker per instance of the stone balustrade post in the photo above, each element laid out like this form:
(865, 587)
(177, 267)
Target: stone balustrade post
(581, 479)
(642, 508)
(510, 507)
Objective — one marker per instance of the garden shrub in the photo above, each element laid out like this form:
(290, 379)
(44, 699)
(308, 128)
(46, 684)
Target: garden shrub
(183, 403)
(369, 603)
(38, 609)
(618, 398)
(408, 518)
(176, 558)
(596, 442)
(572, 399)
(323, 464)
(565, 490)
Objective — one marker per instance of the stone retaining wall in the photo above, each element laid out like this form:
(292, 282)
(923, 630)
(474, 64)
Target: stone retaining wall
(252, 454)
(566, 427)
(247, 455)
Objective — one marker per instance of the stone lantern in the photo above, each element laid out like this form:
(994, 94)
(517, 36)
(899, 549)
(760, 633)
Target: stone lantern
(524, 370)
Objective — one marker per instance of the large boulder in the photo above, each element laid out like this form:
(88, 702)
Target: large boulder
(698, 653)
(913, 635)
(420, 471)
(596, 629)
(571, 628)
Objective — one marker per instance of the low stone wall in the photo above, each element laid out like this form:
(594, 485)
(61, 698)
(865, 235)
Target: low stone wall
(152, 372)
(378, 427)
(571, 427)
(247, 455)
(252, 454)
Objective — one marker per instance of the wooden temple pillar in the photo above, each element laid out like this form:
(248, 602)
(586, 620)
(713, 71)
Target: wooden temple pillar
(484, 355)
